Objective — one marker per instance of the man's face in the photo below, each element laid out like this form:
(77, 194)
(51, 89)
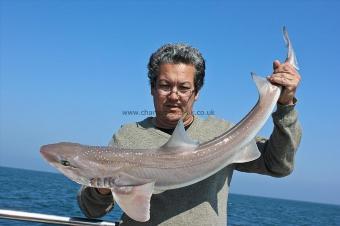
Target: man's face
(171, 105)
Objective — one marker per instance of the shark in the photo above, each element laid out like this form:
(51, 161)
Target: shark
(133, 175)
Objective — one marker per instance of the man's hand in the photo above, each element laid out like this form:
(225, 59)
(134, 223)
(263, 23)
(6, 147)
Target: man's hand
(103, 191)
(286, 76)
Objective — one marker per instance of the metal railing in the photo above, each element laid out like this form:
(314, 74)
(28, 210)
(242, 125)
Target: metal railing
(51, 219)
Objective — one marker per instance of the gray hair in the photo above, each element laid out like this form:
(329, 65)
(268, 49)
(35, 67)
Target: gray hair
(176, 54)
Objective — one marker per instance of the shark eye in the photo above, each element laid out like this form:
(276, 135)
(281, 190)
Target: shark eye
(65, 163)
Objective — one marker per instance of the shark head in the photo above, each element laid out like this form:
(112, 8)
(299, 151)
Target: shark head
(66, 157)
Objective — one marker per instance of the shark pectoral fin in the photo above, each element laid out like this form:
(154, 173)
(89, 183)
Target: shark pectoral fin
(180, 139)
(134, 200)
(248, 153)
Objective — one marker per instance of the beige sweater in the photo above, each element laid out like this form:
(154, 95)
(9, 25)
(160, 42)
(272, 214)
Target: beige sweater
(203, 203)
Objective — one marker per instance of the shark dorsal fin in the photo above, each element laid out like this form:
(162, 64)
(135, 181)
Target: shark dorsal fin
(180, 139)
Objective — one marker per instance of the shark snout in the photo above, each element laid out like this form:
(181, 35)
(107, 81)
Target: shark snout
(47, 153)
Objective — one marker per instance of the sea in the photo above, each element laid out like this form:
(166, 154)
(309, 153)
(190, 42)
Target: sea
(52, 193)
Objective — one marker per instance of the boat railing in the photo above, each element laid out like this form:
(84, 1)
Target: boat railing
(52, 219)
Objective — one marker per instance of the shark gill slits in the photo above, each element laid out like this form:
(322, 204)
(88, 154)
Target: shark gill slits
(102, 182)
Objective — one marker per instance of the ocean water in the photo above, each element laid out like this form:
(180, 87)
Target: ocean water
(51, 193)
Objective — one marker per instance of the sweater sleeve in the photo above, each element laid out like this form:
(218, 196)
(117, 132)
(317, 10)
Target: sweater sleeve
(91, 202)
(277, 152)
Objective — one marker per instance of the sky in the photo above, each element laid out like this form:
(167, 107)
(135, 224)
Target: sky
(70, 69)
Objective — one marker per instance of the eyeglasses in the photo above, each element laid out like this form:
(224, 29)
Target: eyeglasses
(166, 90)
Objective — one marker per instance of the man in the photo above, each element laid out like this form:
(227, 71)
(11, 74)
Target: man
(176, 73)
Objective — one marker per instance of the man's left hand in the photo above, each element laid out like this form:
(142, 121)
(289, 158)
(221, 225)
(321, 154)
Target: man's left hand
(286, 76)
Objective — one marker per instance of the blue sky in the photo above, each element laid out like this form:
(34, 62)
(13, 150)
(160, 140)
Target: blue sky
(69, 69)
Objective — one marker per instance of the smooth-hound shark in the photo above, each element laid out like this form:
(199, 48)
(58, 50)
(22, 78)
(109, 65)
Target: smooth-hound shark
(134, 175)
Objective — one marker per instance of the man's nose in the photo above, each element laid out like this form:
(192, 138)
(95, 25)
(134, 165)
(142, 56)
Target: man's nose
(173, 94)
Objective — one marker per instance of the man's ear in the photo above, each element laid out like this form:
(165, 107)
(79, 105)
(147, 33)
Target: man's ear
(152, 91)
(197, 95)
